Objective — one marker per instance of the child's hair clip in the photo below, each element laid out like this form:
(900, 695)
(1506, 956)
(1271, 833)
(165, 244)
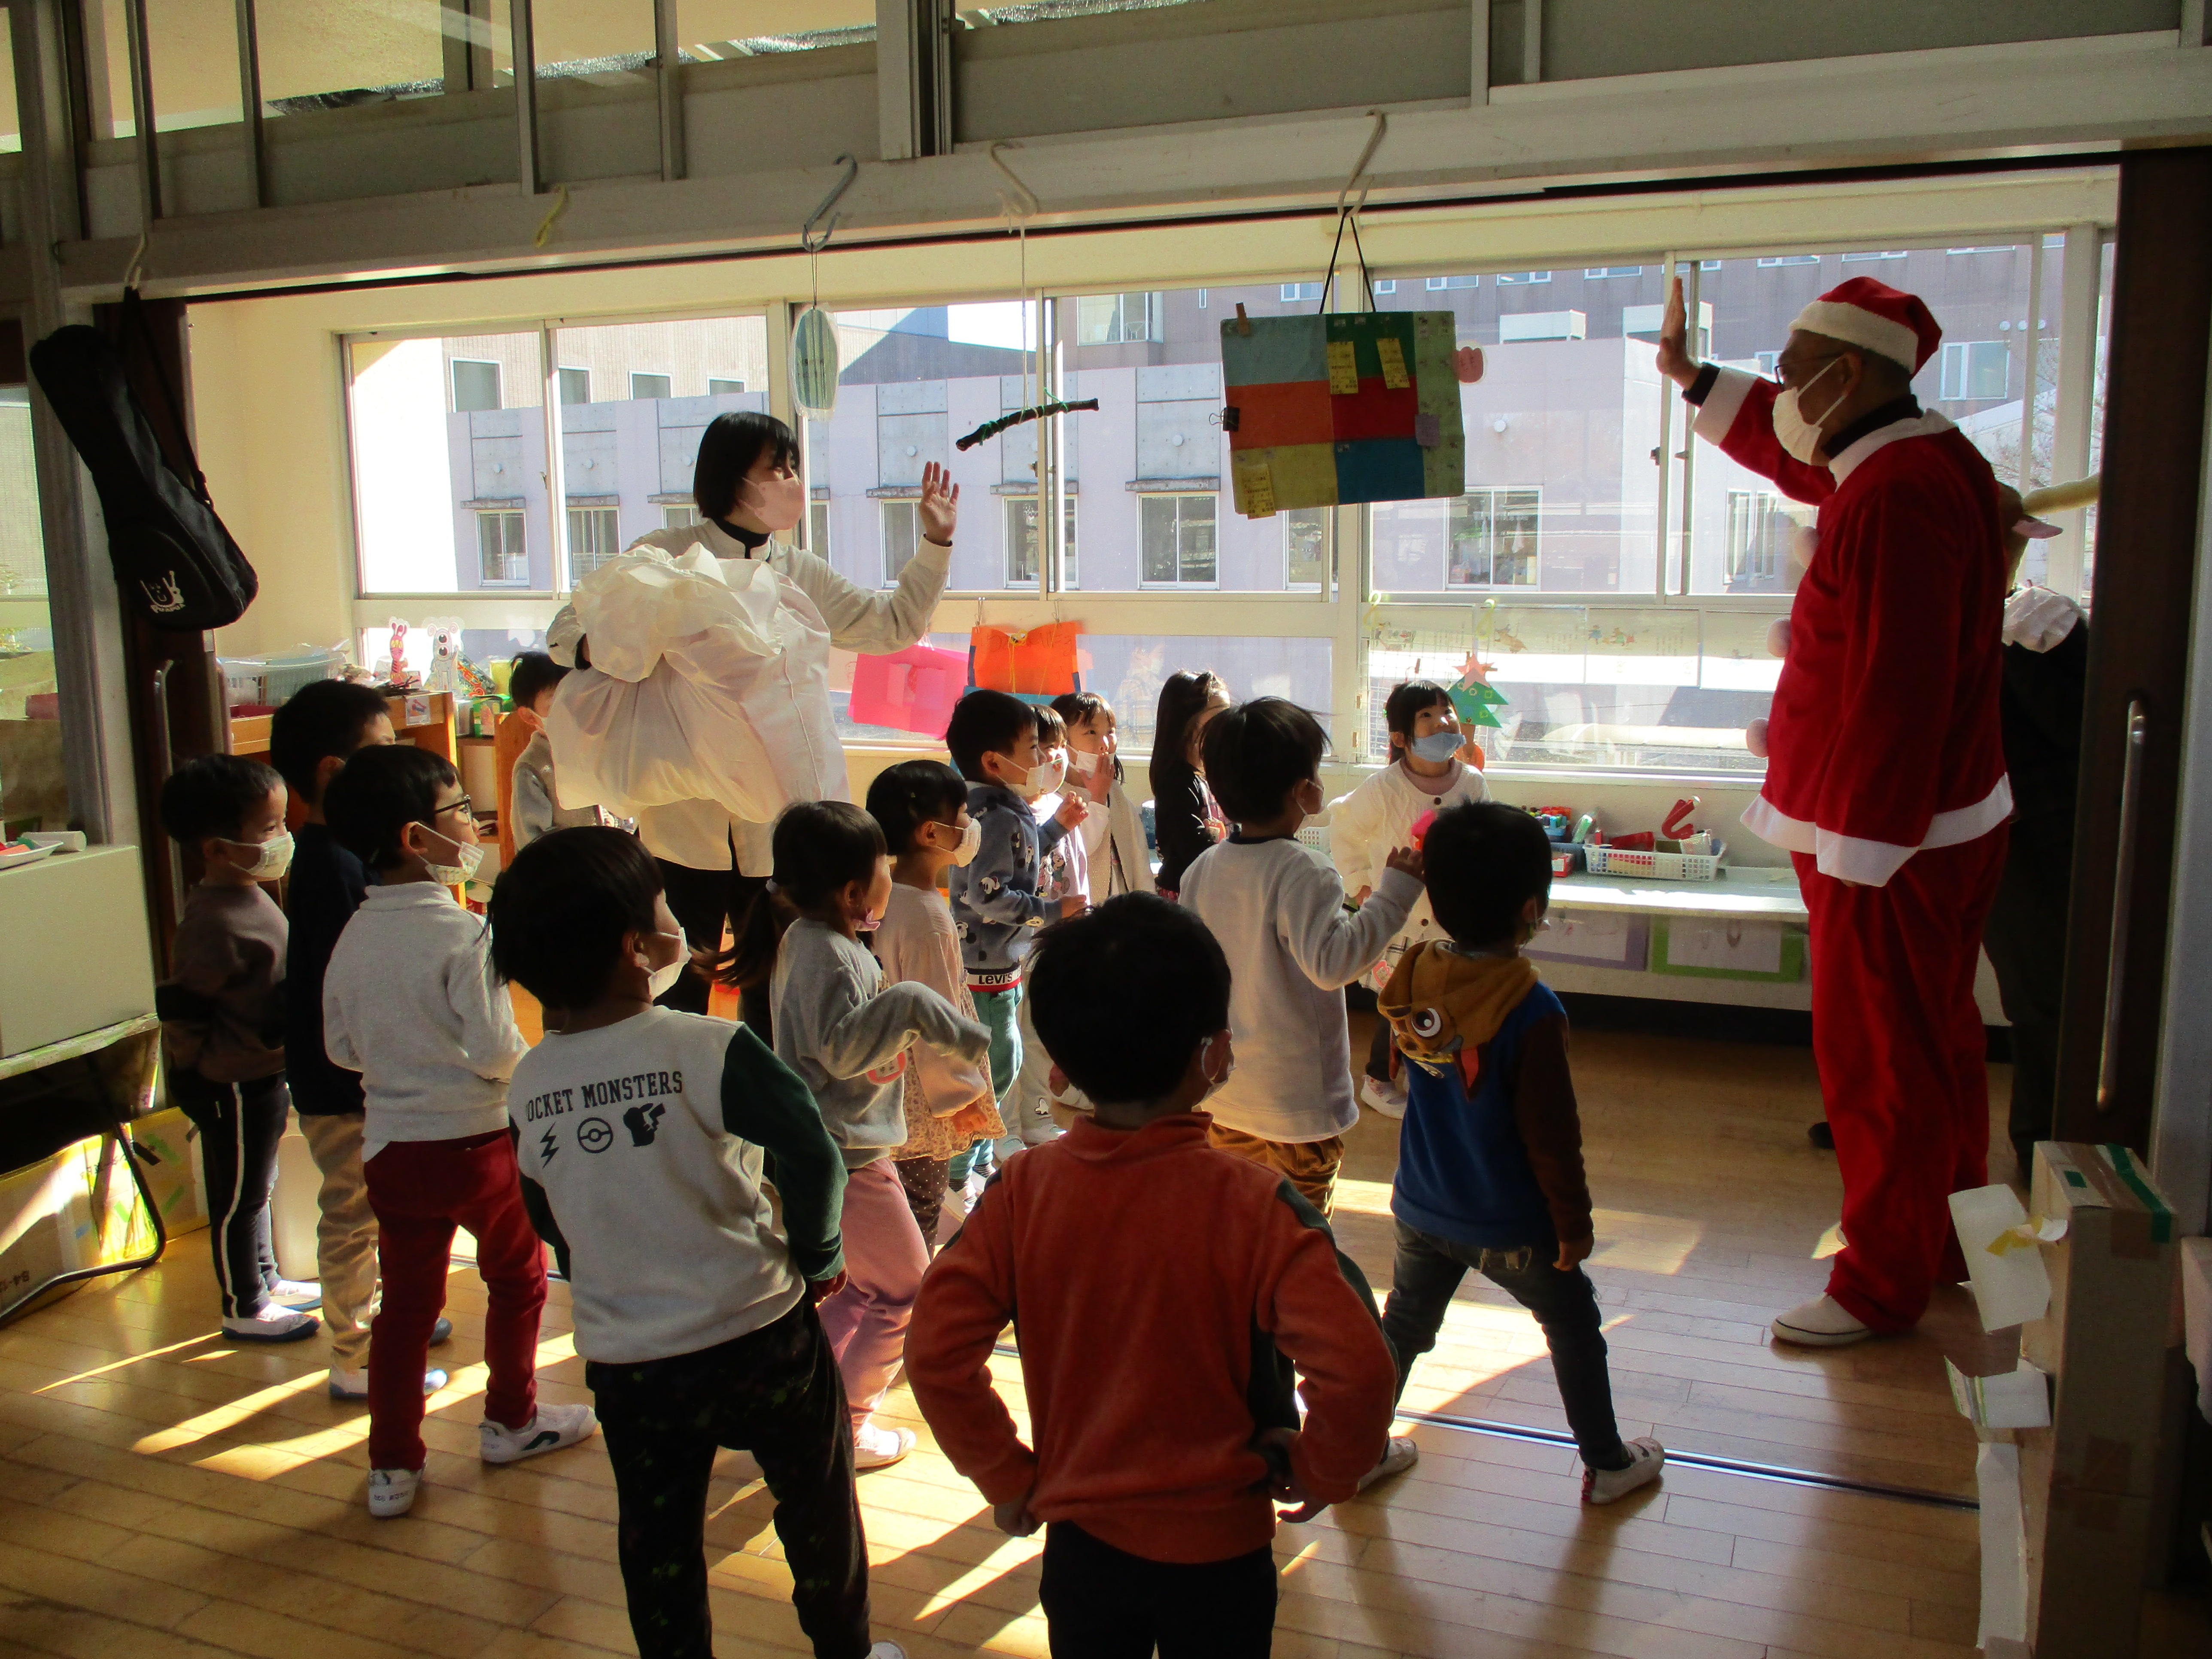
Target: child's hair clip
(1420, 830)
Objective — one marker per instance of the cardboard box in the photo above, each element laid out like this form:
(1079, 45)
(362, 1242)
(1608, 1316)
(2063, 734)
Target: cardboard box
(166, 1147)
(2089, 1482)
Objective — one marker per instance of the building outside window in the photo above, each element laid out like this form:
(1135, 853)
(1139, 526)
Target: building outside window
(594, 536)
(717, 387)
(1521, 278)
(1976, 369)
(505, 563)
(818, 529)
(475, 386)
(1305, 550)
(1294, 292)
(1789, 259)
(650, 385)
(1178, 535)
(1445, 284)
(1758, 533)
(679, 517)
(902, 535)
(1024, 557)
(1613, 271)
(1494, 538)
(1854, 258)
(575, 386)
(1118, 319)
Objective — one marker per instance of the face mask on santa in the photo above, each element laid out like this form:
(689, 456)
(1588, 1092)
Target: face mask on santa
(1796, 432)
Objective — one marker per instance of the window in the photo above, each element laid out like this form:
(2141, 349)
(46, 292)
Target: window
(717, 387)
(1440, 284)
(1294, 292)
(1767, 362)
(594, 536)
(575, 386)
(505, 563)
(1522, 278)
(678, 518)
(649, 386)
(1305, 547)
(1120, 318)
(1758, 536)
(2006, 248)
(1024, 558)
(1178, 541)
(1386, 285)
(902, 535)
(1789, 260)
(1493, 534)
(475, 386)
(818, 529)
(1852, 259)
(1976, 369)
(1613, 271)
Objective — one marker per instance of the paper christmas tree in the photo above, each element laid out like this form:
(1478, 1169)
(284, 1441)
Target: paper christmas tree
(1340, 407)
(1475, 700)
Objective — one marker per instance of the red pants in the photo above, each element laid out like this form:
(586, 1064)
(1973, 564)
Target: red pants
(1902, 1057)
(421, 1190)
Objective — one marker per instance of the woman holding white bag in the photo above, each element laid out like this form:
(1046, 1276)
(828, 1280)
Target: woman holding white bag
(710, 710)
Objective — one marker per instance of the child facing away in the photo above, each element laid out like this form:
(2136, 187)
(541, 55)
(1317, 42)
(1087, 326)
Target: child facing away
(409, 1002)
(997, 907)
(309, 739)
(1186, 818)
(1157, 1434)
(921, 806)
(1431, 766)
(222, 1019)
(1489, 1160)
(529, 803)
(642, 1134)
(1113, 835)
(1277, 909)
(846, 1034)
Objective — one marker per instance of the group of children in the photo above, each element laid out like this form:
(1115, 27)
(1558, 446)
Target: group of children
(972, 967)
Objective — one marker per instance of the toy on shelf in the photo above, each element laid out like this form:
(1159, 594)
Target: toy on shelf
(444, 653)
(1676, 824)
(474, 680)
(392, 670)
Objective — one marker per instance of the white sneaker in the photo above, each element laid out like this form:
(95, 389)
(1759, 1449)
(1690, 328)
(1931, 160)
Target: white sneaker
(1387, 1099)
(392, 1491)
(273, 1324)
(878, 1448)
(887, 1651)
(298, 1294)
(353, 1385)
(552, 1428)
(1819, 1323)
(1400, 1454)
(1646, 1458)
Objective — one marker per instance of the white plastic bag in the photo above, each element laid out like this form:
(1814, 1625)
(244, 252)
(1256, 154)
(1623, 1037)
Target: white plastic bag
(710, 681)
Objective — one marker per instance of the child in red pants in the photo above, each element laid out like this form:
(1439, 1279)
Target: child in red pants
(409, 1002)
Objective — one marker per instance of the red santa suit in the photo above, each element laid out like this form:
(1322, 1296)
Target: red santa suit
(1885, 781)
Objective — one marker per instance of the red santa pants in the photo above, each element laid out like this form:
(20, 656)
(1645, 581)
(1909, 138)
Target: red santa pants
(1899, 1043)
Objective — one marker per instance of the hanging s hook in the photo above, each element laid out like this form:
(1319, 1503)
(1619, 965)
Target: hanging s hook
(137, 269)
(1024, 204)
(1359, 167)
(807, 238)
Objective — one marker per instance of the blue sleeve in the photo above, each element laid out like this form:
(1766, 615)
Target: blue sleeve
(1001, 885)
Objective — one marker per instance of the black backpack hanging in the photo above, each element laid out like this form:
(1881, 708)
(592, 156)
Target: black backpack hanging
(175, 564)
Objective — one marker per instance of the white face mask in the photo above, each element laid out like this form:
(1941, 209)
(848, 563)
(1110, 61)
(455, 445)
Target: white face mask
(467, 859)
(1438, 745)
(663, 978)
(971, 842)
(778, 502)
(272, 858)
(1041, 780)
(1796, 433)
(1206, 1064)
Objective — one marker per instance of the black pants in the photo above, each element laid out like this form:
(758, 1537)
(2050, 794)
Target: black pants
(2025, 937)
(1104, 1603)
(240, 1125)
(925, 1180)
(1428, 1269)
(1378, 1051)
(702, 900)
(775, 1394)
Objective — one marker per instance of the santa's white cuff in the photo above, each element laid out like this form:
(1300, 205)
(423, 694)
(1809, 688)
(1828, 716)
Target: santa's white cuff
(1723, 403)
(1872, 863)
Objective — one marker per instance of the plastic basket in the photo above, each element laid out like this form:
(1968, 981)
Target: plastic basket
(1658, 866)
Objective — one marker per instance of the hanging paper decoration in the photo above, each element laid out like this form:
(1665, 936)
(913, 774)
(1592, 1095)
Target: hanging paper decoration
(1038, 663)
(1341, 407)
(909, 690)
(1475, 701)
(814, 363)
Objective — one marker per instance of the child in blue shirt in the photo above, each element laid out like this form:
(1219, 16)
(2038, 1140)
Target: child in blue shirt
(1489, 1160)
(996, 906)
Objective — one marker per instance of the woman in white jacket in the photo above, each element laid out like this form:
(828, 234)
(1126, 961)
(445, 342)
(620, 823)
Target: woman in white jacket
(1433, 764)
(750, 494)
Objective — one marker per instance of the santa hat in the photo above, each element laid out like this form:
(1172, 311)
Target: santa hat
(1886, 320)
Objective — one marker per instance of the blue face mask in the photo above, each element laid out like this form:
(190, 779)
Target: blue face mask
(1437, 745)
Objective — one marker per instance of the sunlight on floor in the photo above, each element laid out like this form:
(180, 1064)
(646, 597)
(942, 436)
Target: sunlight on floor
(135, 1359)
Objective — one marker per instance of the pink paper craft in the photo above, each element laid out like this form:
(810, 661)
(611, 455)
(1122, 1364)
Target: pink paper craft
(909, 690)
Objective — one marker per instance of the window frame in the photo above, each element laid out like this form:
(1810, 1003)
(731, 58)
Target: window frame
(453, 383)
(1180, 584)
(486, 517)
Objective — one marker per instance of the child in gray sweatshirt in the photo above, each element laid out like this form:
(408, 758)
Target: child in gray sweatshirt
(846, 1033)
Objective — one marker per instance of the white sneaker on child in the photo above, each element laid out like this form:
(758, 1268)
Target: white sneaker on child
(552, 1428)
(887, 1651)
(878, 1448)
(392, 1491)
(353, 1385)
(297, 1294)
(1387, 1099)
(1400, 1454)
(1646, 1458)
(273, 1324)
(1820, 1323)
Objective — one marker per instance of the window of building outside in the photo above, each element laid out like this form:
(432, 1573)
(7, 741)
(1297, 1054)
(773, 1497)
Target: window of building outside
(1494, 538)
(500, 542)
(1024, 557)
(575, 386)
(1522, 278)
(1305, 553)
(1758, 535)
(818, 529)
(678, 518)
(643, 386)
(1294, 292)
(1444, 284)
(902, 534)
(475, 386)
(1613, 271)
(721, 388)
(1975, 369)
(1127, 319)
(594, 536)
(1179, 541)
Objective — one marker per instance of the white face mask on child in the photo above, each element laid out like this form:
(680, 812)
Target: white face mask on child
(467, 859)
(970, 843)
(1041, 780)
(271, 858)
(1439, 745)
(661, 979)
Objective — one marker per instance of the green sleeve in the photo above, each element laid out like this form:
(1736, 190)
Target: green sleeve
(765, 1102)
(539, 1209)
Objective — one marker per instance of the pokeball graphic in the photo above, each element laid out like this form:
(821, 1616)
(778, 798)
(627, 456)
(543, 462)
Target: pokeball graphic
(594, 1134)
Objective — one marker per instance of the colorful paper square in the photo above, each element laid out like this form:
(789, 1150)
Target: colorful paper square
(1380, 470)
(1288, 412)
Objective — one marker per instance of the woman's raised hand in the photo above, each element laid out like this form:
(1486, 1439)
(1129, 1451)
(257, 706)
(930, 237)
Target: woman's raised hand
(939, 507)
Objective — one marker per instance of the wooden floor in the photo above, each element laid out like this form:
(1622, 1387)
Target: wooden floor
(169, 1497)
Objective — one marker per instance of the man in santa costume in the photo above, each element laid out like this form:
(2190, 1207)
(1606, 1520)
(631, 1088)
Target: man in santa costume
(1886, 774)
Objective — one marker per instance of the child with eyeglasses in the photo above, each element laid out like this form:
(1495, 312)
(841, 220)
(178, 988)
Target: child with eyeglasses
(410, 1002)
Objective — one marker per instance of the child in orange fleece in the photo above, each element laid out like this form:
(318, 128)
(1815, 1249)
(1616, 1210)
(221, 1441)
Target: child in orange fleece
(1170, 1288)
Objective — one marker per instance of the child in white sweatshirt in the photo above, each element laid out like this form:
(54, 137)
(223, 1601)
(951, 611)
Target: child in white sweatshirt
(846, 1033)
(1277, 909)
(409, 1002)
(1432, 766)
